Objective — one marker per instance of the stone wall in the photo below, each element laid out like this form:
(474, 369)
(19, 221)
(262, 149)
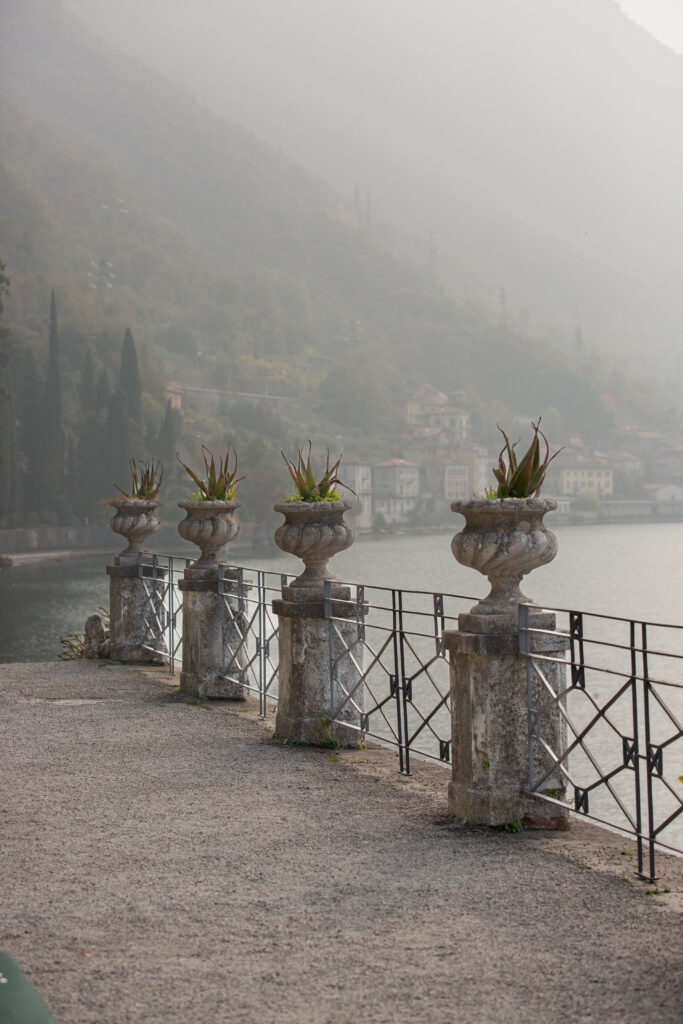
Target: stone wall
(71, 538)
(56, 538)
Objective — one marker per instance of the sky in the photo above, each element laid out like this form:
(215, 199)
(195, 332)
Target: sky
(663, 18)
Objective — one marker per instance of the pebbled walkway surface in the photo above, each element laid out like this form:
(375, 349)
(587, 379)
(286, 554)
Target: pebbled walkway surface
(169, 862)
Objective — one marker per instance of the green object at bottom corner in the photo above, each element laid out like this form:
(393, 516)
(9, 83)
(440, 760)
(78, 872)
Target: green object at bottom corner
(19, 1001)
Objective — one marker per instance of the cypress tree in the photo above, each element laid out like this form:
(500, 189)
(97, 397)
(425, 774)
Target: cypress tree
(102, 392)
(4, 332)
(92, 472)
(87, 386)
(10, 489)
(52, 475)
(116, 443)
(28, 398)
(129, 378)
(169, 433)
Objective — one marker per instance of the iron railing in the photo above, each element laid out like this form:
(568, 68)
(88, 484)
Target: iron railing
(391, 639)
(620, 696)
(250, 629)
(161, 631)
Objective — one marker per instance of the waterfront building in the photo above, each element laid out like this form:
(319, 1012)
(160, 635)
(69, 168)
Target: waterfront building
(395, 490)
(358, 477)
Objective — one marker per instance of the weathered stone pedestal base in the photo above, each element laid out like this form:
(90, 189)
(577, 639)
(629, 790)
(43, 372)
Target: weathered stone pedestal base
(212, 659)
(135, 602)
(312, 706)
(490, 751)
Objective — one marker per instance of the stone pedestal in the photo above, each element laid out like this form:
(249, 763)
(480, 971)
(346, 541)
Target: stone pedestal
(212, 657)
(313, 703)
(136, 608)
(489, 722)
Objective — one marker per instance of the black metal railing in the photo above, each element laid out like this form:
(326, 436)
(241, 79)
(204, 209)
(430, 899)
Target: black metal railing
(620, 696)
(161, 631)
(250, 629)
(391, 638)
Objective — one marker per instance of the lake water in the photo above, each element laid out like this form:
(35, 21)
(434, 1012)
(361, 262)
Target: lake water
(632, 570)
(629, 570)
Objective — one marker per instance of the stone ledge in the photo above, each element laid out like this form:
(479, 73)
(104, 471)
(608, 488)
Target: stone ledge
(457, 642)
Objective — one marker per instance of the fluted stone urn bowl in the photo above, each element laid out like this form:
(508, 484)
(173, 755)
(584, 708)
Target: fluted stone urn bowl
(136, 519)
(314, 531)
(504, 539)
(210, 525)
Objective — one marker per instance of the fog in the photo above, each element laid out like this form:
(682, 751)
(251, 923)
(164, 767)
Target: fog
(378, 225)
(528, 145)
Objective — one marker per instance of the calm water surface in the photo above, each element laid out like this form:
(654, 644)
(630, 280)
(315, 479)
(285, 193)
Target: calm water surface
(634, 570)
(630, 570)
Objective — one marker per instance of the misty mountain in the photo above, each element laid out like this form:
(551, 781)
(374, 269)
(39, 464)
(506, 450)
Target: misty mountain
(530, 145)
(234, 267)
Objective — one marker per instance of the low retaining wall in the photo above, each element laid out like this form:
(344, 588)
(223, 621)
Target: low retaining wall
(72, 538)
(55, 538)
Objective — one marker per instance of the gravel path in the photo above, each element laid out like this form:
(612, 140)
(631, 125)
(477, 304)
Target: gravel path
(169, 862)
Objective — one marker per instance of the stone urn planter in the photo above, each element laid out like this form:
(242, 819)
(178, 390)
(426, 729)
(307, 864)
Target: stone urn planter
(135, 519)
(210, 525)
(504, 539)
(314, 531)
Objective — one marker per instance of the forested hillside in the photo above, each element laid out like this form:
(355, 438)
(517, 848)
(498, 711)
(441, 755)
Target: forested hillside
(232, 269)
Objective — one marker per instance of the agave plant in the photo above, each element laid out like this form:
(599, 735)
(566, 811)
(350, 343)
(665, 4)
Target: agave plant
(308, 487)
(221, 482)
(522, 478)
(147, 479)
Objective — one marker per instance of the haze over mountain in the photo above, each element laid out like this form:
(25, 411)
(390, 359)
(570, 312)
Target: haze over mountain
(225, 250)
(528, 146)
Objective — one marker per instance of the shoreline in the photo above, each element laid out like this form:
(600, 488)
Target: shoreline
(14, 559)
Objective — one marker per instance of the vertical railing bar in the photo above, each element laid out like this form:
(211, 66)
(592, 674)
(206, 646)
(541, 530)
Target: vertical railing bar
(404, 703)
(171, 617)
(525, 650)
(439, 622)
(262, 626)
(648, 759)
(360, 613)
(327, 613)
(637, 767)
(141, 576)
(395, 642)
(224, 615)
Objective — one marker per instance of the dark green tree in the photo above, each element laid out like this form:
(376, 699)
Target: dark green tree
(169, 434)
(116, 444)
(87, 386)
(10, 477)
(129, 377)
(4, 331)
(102, 392)
(28, 390)
(92, 467)
(52, 469)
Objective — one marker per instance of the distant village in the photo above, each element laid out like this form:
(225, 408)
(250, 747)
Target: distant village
(443, 463)
(635, 475)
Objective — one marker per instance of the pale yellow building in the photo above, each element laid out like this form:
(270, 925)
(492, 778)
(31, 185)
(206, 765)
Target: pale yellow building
(582, 478)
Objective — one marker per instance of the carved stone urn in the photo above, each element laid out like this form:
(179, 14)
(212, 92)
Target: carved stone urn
(210, 525)
(313, 531)
(135, 519)
(504, 539)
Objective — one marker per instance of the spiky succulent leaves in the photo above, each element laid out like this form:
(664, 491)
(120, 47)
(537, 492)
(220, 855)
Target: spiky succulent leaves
(147, 481)
(523, 478)
(200, 483)
(329, 480)
(502, 472)
(308, 487)
(221, 482)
